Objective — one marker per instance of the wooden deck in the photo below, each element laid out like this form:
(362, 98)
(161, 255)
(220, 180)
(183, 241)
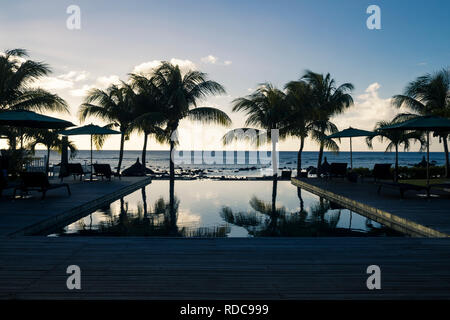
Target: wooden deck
(415, 215)
(260, 268)
(34, 267)
(32, 215)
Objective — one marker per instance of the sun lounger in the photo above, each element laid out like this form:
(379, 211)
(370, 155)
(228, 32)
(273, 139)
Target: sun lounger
(286, 175)
(5, 184)
(382, 171)
(104, 170)
(338, 169)
(74, 169)
(38, 181)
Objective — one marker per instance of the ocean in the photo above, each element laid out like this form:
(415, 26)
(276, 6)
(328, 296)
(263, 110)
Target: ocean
(237, 164)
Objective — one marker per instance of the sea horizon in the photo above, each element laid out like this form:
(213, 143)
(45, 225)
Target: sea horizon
(243, 166)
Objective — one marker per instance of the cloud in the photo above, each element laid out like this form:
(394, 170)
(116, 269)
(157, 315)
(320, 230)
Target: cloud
(147, 67)
(369, 108)
(52, 83)
(61, 82)
(75, 76)
(104, 82)
(209, 59)
(81, 92)
(100, 83)
(185, 65)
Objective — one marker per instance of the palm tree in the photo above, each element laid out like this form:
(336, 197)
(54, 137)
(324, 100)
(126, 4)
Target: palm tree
(266, 109)
(329, 100)
(428, 95)
(148, 111)
(114, 105)
(17, 76)
(396, 138)
(50, 139)
(181, 94)
(300, 121)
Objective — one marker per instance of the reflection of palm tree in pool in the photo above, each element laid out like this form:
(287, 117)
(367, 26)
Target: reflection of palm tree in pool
(157, 220)
(269, 220)
(144, 203)
(173, 208)
(302, 203)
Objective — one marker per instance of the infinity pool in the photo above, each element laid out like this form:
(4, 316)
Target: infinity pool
(208, 208)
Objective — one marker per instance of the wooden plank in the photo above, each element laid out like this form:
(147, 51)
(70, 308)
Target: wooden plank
(414, 215)
(259, 268)
(32, 216)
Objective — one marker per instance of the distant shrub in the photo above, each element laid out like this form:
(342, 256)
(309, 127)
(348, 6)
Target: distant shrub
(365, 172)
(407, 172)
(420, 173)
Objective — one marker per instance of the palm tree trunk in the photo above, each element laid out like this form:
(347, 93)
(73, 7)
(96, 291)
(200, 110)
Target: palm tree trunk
(299, 157)
(172, 214)
(144, 149)
(447, 162)
(144, 202)
(319, 160)
(13, 142)
(299, 194)
(396, 164)
(47, 164)
(122, 143)
(172, 165)
(274, 195)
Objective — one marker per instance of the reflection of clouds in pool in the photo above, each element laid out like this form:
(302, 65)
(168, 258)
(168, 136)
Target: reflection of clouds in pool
(201, 203)
(187, 218)
(208, 195)
(97, 218)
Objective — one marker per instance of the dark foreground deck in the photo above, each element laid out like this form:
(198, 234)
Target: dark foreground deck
(32, 215)
(415, 215)
(275, 268)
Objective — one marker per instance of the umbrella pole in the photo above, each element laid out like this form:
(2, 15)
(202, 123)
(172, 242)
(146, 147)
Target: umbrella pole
(91, 157)
(428, 159)
(351, 155)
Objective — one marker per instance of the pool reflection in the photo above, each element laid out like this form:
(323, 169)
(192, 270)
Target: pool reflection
(207, 208)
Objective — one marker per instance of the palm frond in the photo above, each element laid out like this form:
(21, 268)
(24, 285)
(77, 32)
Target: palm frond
(209, 115)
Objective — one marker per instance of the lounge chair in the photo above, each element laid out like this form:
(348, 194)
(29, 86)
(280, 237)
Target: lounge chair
(38, 181)
(286, 174)
(74, 169)
(104, 170)
(6, 184)
(338, 169)
(382, 172)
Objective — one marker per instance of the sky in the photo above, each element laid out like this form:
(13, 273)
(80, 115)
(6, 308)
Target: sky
(239, 44)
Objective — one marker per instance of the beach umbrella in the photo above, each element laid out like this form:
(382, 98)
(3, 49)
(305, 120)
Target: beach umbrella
(423, 123)
(351, 133)
(30, 119)
(91, 130)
